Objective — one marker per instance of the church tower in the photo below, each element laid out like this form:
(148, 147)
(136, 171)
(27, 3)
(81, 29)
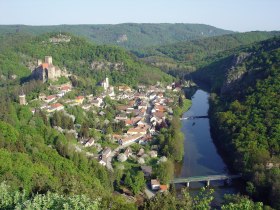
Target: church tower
(22, 99)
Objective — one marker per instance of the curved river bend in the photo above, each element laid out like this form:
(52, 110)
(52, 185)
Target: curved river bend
(201, 156)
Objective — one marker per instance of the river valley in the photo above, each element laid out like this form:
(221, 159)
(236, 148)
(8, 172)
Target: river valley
(201, 157)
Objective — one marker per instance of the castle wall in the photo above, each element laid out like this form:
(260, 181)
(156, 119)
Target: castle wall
(46, 71)
(51, 72)
(22, 100)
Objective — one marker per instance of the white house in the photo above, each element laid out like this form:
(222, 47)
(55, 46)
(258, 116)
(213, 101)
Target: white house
(129, 139)
(90, 142)
(50, 98)
(55, 107)
(155, 184)
(102, 162)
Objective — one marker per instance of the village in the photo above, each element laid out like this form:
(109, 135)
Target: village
(119, 138)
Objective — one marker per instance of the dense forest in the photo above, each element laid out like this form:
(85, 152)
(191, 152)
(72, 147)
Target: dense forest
(36, 158)
(128, 35)
(245, 117)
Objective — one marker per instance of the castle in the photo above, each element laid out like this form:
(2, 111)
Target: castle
(46, 71)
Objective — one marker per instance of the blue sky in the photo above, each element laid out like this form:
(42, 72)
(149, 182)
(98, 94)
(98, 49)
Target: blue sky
(237, 15)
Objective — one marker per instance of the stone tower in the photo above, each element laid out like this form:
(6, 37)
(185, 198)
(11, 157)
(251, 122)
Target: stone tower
(22, 100)
(51, 72)
(39, 62)
(48, 59)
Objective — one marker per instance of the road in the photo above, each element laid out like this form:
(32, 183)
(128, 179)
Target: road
(148, 192)
(113, 153)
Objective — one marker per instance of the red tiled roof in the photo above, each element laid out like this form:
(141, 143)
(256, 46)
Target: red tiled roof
(65, 87)
(159, 114)
(56, 105)
(50, 97)
(163, 187)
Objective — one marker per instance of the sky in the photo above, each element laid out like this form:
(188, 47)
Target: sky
(236, 15)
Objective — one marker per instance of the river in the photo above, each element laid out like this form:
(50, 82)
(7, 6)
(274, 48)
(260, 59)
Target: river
(200, 155)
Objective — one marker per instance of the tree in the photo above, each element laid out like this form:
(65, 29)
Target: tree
(237, 202)
(181, 101)
(135, 182)
(18, 200)
(84, 132)
(164, 171)
(138, 182)
(203, 200)
(9, 133)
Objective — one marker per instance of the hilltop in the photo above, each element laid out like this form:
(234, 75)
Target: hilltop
(128, 35)
(189, 56)
(89, 62)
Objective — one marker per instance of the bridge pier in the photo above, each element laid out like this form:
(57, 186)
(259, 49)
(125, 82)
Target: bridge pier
(188, 184)
(208, 183)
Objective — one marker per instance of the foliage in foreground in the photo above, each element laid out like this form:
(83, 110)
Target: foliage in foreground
(202, 201)
(19, 200)
(245, 120)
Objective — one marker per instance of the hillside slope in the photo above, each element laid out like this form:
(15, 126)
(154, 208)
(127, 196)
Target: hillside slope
(128, 35)
(189, 56)
(88, 61)
(245, 116)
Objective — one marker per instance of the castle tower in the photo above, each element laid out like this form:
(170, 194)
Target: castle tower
(48, 59)
(22, 100)
(39, 62)
(51, 72)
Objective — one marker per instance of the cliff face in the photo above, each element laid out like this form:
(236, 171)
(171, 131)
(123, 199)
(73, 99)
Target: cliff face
(105, 65)
(235, 71)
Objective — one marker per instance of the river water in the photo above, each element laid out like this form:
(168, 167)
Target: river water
(201, 157)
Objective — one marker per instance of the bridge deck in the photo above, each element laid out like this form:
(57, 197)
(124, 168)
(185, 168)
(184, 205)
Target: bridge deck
(205, 178)
(193, 117)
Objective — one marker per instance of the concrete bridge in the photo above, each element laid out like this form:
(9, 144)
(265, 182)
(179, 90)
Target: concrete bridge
(206, 179)
(193, 117)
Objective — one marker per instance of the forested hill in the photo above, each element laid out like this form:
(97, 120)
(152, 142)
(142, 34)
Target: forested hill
(128, 35)
(90, 62)
(192, 55)
(223, 69)
(245, 116)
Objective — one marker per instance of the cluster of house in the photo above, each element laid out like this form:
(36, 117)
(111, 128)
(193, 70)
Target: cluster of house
(50, 103)
(145, 110)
